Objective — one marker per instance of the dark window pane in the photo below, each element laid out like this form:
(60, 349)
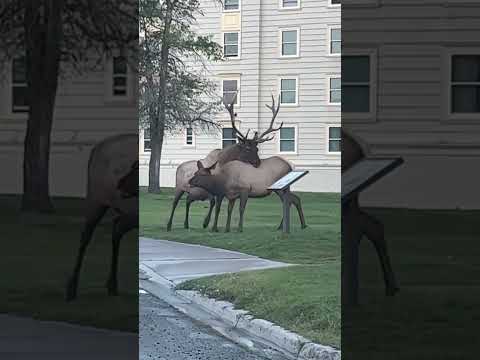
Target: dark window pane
(466, 99)
(231, 38)
(336, 2)
(334, 146)
(355, 98)
(230, 50)
(335, 84)
(226, 143)
(146, 133)
(287, 133)
(466, 68)
(289, 84)
(119, 91)
(287, 145)
(231, 4)
(229, 85)
(119, 65)
(19, 71)
(334, 133)
(227, 133)
(355, 69)
(290, 3)
(120, 81)
(146, 145)
(20, 99)
(290, 36)
(288, 97)
(289, 49)
(336, 35)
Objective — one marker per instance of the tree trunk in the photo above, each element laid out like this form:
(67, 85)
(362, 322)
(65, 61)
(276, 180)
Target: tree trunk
(43, 33)
(156, 143)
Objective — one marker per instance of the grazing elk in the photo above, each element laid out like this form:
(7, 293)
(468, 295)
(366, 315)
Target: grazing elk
(353, 150)
(112, 183)
(236, 179)
(246, 150)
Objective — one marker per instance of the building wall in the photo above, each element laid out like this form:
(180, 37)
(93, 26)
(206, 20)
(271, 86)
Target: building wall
(85, 114)
(410, 46)
(259, 69)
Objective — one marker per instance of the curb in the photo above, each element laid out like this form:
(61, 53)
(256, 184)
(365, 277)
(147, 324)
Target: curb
(298, 347)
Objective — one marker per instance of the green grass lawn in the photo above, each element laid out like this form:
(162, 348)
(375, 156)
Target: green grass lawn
(304, 298)
(436, 258)
(38, 256)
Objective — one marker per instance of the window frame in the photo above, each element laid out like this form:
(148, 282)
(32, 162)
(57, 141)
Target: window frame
(447, 114)
(22, 110)
(237, 79)
(331, 5)
(371, 116)
(109, 82)
(143, 138)
(281, 7)
(289, 77)
(329, 89)
(280, 42)
(279, 140)
(232, 10)
(327, 138)
(329, 40)
(239, 44)
(227, 126)
(185, 138)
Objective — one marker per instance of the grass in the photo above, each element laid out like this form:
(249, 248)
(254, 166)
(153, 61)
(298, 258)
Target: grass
(436, 258)
(38, 255)
(304, 298)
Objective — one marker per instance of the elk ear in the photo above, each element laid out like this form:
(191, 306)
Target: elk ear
(240, 140)
(199, 165)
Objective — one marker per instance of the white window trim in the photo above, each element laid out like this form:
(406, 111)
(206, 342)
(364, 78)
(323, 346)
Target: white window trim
(109, 97)
(329, 39)
(372, 115)
(239, 88)
(295, 126)
(327, 141)
(329, 77)
(233, 10)
(446, 94)
(239, 55)
(142, 142)
(288, 77)
(281, 7)
(185, 144)
(280, 42)
(333, 5)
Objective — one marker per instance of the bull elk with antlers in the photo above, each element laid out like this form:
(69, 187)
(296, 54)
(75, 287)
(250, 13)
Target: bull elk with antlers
(237, 180)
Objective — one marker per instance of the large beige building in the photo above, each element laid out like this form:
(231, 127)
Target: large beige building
(287, 47)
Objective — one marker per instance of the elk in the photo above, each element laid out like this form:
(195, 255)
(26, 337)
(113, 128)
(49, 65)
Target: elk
(353, 150)
(112, 183)
(237, 180)
(246, 150)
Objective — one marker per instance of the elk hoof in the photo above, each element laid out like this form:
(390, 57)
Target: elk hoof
(71, 293)
(205, 224)
(186, 226)
(304, 226)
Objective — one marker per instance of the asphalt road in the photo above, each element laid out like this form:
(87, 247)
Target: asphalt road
(166, 334)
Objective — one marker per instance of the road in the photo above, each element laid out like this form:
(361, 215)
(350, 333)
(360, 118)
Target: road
(166, 334)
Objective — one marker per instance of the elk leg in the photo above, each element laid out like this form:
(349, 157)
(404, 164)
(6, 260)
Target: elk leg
(187, 214)
(121, 226)
(280, 195)
(298, 204)
(209, 215)
(91, 222)
(176, 199)
(231, 204)
(218, 206)
(373, 230)
(243, 204)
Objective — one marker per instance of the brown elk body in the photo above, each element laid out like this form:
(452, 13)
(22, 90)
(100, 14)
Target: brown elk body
(237, 180)
(353, 150)
(112, 171)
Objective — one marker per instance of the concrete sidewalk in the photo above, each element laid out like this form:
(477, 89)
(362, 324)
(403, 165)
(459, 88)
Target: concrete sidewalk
(29, 339)
(177, 262)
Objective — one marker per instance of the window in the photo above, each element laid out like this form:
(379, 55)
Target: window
(228, 137)
(289, 4)
(120, 76)
(20, 101)
(335, 41)
(334, 3)
(289, 43)
(288, 143)
(356, 84)
(146, 140)
(465, 84)
(229, 89)
(288, 91)
(334, 139)
(231, 44)
(189, 140)
(231, 5)
(334, 91)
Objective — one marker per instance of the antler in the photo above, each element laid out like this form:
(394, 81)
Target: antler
(275, 109)
(230, 108)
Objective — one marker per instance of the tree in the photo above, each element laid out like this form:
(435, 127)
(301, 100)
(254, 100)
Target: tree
(174, 89)
(55, 37)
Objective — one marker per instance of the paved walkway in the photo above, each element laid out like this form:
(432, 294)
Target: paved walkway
(29, 339)
(179, 262)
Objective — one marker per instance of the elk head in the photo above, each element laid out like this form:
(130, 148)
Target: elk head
(247, 149)
(201, 174)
